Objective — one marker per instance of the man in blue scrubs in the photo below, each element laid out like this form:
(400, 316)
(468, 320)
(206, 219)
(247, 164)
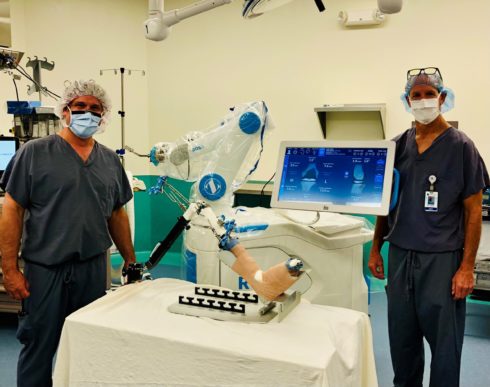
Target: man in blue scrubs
(64, 199)
(434, 233)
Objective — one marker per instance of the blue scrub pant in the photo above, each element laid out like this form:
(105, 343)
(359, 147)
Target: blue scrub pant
(420, 305)
(55, 293)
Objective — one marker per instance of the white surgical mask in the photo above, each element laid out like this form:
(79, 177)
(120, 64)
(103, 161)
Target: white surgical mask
(425, 110)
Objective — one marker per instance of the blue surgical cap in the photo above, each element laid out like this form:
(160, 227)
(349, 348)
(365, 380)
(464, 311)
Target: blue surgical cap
(433, 80)
(436, 82)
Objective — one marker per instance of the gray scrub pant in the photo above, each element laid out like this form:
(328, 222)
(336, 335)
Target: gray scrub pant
(55, 293)
(420, 305)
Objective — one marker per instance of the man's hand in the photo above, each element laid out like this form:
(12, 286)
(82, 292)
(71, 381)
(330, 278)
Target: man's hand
(10, 234)
(121, 235)
(462, 283)
(132, 273)
(129, 260)
(376, 266)
(15, 284)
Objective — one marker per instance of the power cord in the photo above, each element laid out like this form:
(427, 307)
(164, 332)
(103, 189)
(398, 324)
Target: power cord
(268, 181)
(16, 90)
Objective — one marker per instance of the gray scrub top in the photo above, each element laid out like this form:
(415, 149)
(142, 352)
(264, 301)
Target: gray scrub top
(67, 201)
(460, 172)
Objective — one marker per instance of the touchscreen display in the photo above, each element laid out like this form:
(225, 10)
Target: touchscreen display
(340, 176)
(7, 150)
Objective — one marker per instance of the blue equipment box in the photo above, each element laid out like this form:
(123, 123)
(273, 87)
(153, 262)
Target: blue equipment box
(22, 107)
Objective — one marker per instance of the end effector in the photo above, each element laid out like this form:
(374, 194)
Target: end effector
(175, 153)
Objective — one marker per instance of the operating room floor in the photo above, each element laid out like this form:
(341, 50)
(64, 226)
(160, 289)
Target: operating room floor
(476, 349)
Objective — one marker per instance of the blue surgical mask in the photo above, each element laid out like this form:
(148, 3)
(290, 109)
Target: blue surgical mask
(84, 124)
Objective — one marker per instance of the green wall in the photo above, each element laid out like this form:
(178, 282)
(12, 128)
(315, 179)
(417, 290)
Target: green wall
(155, 215)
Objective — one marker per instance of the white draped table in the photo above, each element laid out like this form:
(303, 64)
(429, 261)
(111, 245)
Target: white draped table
(128, 338)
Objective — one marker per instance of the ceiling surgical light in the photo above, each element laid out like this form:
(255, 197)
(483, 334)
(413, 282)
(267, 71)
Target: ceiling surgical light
(254, 8)
(157, 26)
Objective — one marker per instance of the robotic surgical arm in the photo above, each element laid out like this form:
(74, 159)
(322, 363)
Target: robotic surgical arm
(219, 160)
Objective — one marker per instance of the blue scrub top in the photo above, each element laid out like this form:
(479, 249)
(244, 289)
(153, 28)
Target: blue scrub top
(460, 172)
(67, 201)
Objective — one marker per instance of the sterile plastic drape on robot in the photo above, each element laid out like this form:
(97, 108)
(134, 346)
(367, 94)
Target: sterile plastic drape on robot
(220, 160)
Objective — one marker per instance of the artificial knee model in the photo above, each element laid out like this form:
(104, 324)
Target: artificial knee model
(270, 283)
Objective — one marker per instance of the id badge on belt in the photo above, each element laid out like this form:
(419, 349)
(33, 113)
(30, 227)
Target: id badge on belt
(431, 200)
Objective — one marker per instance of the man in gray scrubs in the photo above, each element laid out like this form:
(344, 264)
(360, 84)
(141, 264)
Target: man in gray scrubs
(65, 198)
(434, 233)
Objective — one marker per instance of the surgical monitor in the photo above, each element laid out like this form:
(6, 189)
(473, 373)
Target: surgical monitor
(339, 176)
(8, 147)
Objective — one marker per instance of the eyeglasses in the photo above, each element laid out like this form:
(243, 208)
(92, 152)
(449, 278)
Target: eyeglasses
(82, 106)
(426, 70)
(74, 112)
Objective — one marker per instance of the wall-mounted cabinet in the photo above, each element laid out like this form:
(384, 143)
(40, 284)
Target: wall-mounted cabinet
(5, 30)
(353, 121)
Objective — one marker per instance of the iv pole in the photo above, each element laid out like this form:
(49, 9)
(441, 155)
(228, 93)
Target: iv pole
(122, 113)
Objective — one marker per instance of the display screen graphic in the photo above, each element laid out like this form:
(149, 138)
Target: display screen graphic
(340, 176)
(7, 150)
